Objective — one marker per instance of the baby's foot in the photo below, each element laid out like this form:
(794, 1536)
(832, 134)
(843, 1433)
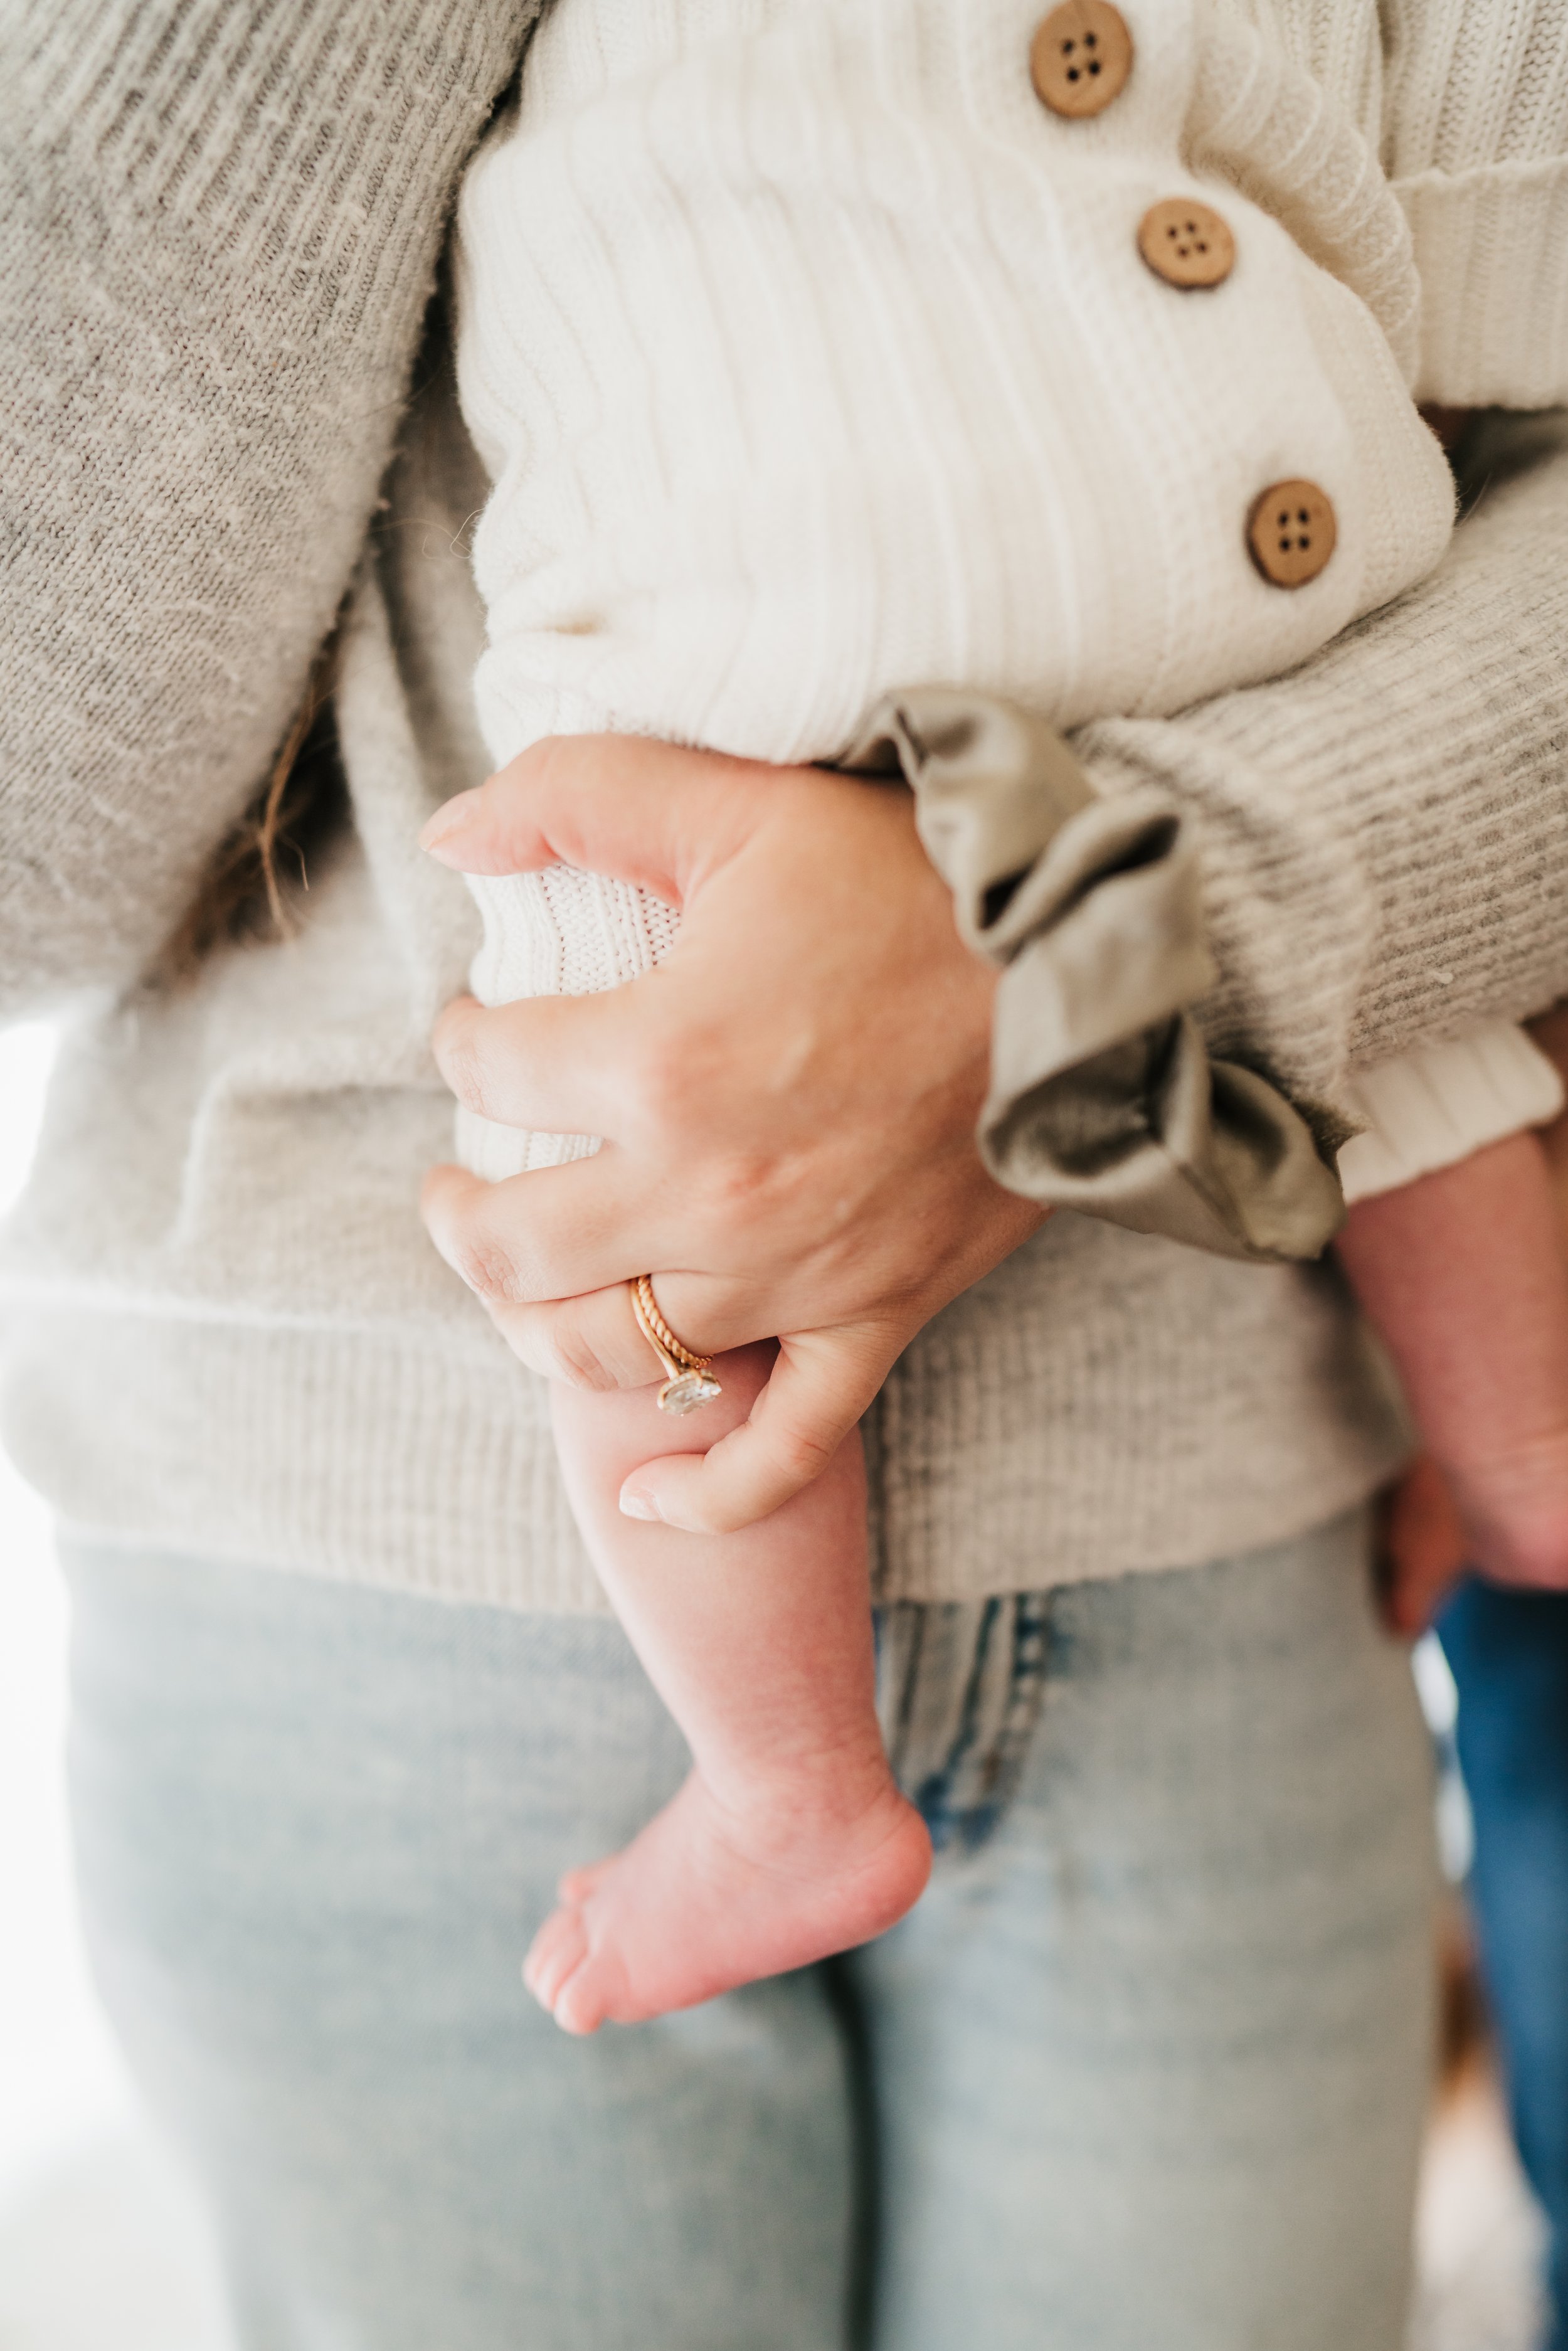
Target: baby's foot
(708, 1897)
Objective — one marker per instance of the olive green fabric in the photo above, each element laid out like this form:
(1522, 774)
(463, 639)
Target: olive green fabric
(1103, 1096)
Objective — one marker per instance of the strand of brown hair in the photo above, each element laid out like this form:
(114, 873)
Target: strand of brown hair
(243, 897)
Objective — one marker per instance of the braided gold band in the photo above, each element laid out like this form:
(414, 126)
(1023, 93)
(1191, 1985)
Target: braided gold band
(689, 1382)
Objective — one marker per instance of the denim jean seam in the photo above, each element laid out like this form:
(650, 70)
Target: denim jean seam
(954, 1818)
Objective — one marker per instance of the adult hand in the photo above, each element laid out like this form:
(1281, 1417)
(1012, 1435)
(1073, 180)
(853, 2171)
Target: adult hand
(788, 1103)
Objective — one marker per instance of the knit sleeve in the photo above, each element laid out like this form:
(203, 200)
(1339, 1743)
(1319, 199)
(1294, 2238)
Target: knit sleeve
(219, 226)
(1475, 141)
(1383, 835)
(1435, 1103)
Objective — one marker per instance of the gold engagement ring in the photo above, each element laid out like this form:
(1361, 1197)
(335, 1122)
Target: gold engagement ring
(690, 1383)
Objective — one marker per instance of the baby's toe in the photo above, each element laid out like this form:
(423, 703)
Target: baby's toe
(559, 1947)
(581, 2005)
(579, 1883)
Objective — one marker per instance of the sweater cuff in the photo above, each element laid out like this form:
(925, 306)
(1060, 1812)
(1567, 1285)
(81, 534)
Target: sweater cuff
(1434, 1104)
(1489, 246)
(1103, 1096)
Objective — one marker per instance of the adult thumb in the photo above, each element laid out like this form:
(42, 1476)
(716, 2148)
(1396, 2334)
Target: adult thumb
(819, 1385)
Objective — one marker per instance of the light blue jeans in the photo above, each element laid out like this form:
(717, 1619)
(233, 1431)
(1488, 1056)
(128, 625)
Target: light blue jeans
(1143, 2071)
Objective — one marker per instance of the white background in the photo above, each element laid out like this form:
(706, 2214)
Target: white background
(101, 2246)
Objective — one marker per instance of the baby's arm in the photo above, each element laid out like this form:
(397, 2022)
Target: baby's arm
(790, 1839)
(1465, 1274)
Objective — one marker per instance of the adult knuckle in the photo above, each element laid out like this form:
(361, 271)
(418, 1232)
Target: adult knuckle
(518, 1328)
(486, 1265)
(577, 1360)
(803, 1454)
(742, 1183)
(732, 1196)
(465, 1066)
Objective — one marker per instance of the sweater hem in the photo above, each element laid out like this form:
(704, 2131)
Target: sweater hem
(404, 1468)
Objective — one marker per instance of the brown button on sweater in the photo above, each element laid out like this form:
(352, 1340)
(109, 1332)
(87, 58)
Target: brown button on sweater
(1080, 57)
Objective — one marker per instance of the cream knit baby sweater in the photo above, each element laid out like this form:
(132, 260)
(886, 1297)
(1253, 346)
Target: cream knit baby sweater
(813, 357)
(224, 1331)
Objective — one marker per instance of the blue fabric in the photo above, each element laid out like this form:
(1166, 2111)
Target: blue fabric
(1144, 2071)
(1508, 1655)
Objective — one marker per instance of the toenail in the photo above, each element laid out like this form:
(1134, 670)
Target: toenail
(637, 1505)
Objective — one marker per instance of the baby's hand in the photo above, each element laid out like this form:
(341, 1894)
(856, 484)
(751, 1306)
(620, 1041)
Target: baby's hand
(1512, 1506)
(1421, 1547)
(1465, 1275)
(1507, 1519)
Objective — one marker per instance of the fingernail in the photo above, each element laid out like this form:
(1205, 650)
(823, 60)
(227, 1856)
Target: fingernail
(447, 819)
(637, 1506)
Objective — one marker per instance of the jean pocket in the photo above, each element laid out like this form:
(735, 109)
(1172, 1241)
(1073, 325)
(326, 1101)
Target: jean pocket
(960, 1686)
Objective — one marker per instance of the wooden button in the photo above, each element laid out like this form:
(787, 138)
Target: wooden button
(1187, 243)
(1080, 57)
(1291, 532)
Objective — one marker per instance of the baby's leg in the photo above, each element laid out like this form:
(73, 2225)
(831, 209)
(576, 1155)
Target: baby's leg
(790, 1839)
(1466, 1276)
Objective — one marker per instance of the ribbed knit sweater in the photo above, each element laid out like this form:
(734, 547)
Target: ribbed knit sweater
(226, 1330)
(811, 356)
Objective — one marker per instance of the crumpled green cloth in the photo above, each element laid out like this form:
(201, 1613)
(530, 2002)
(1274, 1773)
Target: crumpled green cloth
(1103, 1096)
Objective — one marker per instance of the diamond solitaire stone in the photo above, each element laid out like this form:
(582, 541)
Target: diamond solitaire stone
(688, 1392)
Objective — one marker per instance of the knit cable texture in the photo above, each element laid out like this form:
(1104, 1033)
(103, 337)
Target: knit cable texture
(837, 373)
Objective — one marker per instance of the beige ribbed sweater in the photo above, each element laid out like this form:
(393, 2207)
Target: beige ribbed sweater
(226, 1330)
(810, 354)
